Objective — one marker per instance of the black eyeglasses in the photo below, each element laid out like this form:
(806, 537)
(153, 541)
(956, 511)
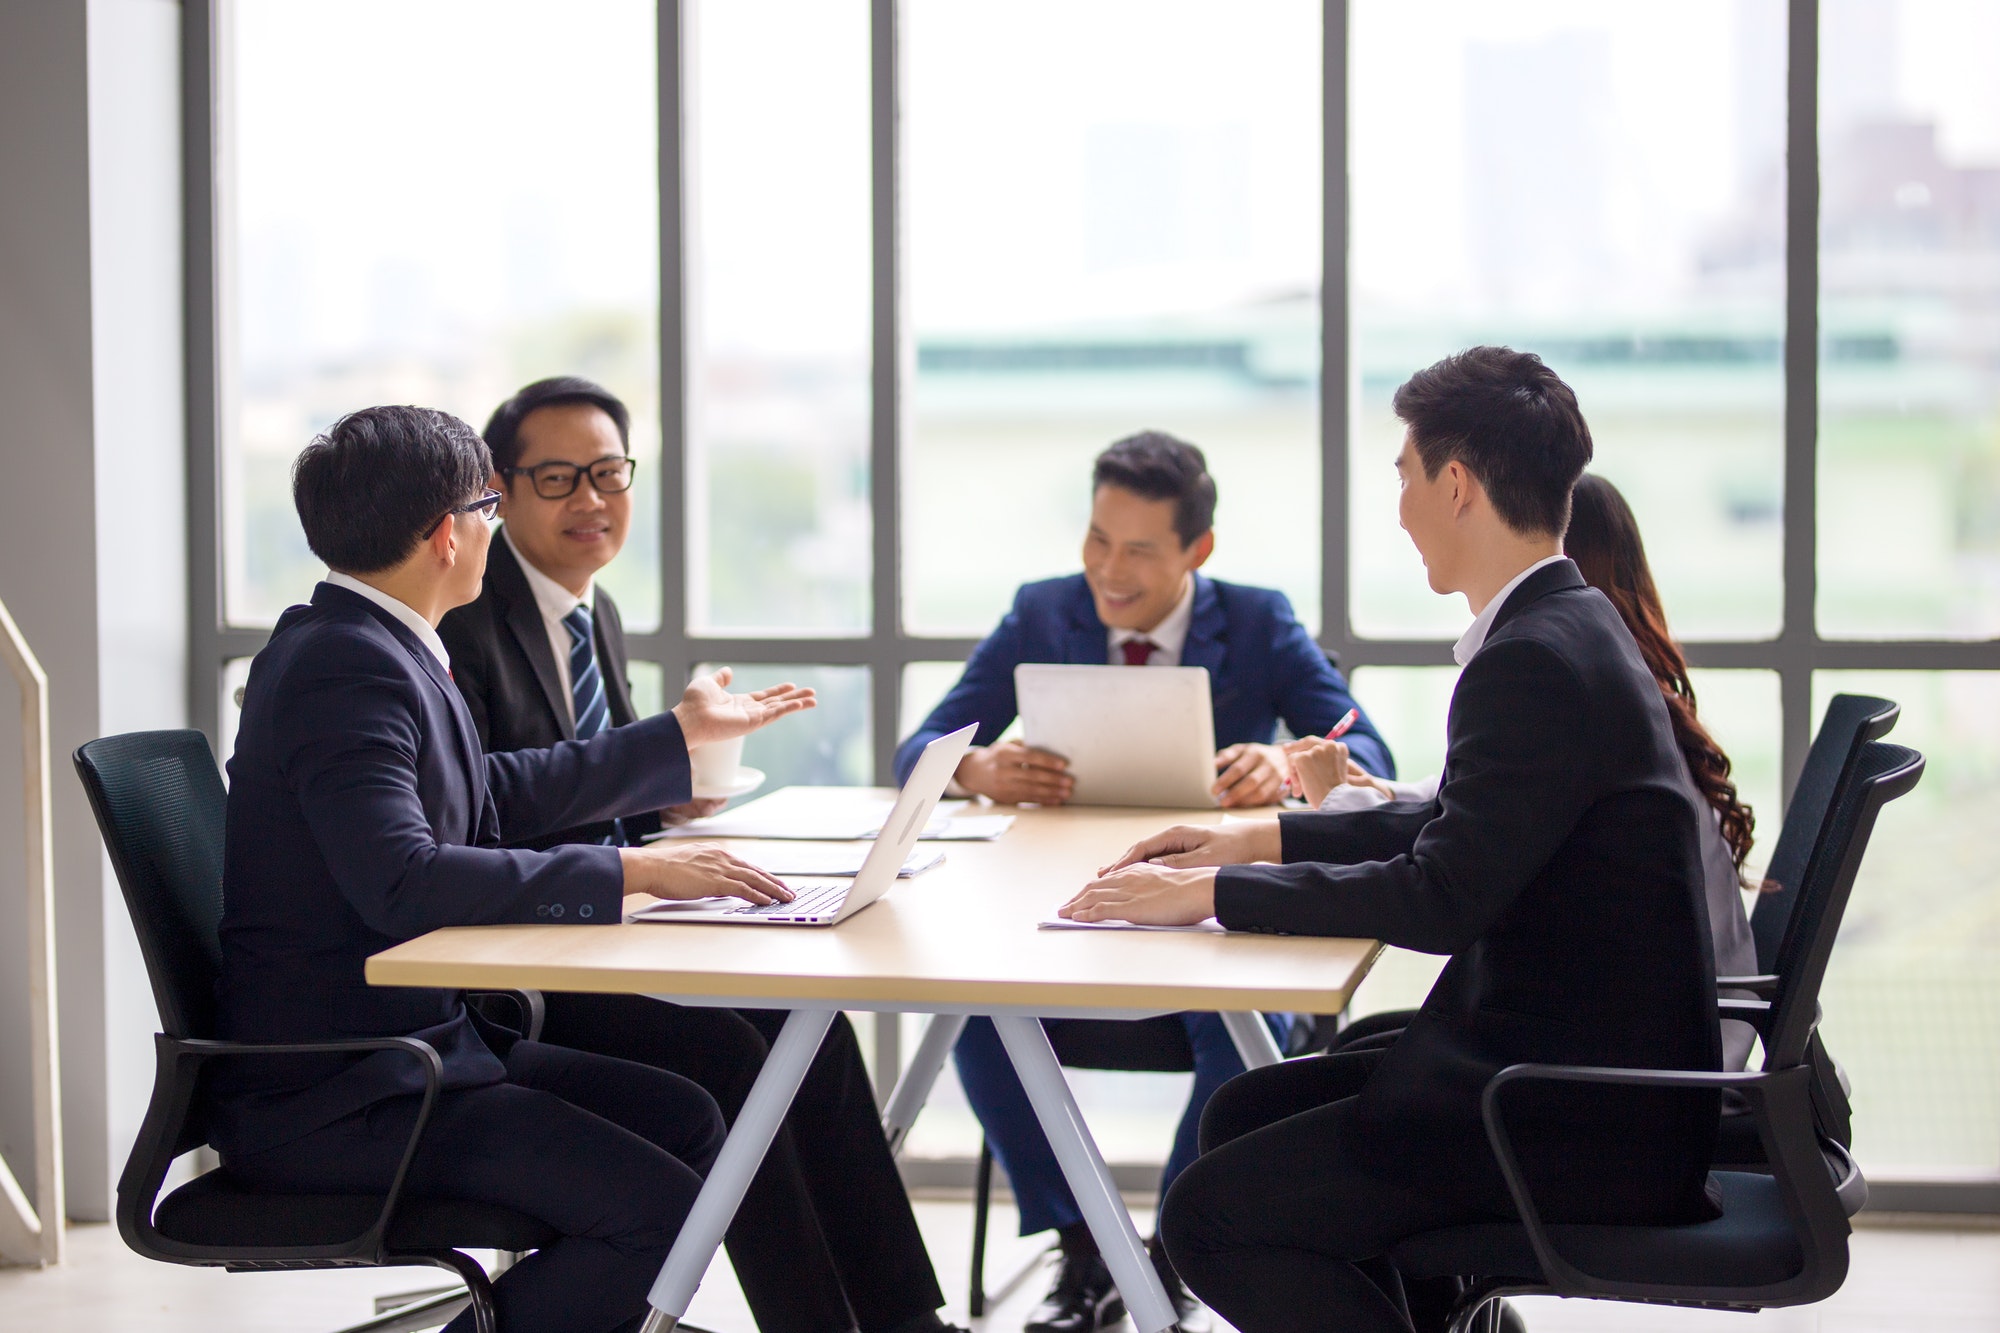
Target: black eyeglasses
(487, 506)
(558, 481)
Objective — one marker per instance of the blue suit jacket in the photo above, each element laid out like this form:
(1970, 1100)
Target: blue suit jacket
(1262, 666)
(362, 813)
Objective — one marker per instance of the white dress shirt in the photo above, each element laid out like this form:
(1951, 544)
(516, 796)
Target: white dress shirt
(1168, 637)
(417, 625)
(555, 602)
(1474, 638)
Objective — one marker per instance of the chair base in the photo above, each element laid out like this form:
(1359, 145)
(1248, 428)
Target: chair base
(414, 1311)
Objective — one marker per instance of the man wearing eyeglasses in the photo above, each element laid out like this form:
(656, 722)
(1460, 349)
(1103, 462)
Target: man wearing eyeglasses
(363, 813)
(540, 658)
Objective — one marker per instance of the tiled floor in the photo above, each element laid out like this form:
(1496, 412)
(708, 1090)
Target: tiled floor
(1904, 1279)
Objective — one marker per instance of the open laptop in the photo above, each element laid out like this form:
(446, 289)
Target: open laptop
(1132, 735)
(828, 901)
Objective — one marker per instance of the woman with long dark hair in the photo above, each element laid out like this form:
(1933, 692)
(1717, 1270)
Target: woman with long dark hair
(1603, 539)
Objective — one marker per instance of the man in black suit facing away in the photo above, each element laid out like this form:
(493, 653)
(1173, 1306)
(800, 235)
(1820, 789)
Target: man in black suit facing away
(540, 658)
(362, 812)
(1559, 865)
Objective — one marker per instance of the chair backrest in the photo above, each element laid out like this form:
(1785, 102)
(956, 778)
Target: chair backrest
(159, 802)
(1851, 721)
(1880, 773)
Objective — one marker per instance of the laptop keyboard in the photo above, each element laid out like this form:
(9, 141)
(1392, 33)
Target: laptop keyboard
(814, 898)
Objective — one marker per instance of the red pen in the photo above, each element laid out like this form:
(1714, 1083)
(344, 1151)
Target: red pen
(1338, 730)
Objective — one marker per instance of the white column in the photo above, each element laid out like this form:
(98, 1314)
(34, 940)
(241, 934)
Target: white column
(92, 534)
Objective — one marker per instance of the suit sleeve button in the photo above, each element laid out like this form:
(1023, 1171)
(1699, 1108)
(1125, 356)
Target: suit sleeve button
(556, 910)
(541, 909)
(584, 911)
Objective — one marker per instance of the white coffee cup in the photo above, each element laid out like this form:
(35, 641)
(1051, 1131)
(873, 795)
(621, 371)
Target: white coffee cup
(716, 766)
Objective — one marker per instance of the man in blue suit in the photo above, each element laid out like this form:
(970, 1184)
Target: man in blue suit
(362, 812)
(1140, 601)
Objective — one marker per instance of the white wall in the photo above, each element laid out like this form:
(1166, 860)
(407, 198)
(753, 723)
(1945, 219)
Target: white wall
(92, 537)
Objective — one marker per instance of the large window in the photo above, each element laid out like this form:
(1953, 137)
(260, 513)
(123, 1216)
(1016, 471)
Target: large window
(879, 278)
(429, 203)
(1909, 446)
(778, 317)
(1601, 184)
(1132, 243)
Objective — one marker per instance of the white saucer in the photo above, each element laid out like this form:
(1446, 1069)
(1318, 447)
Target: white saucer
(747, 780)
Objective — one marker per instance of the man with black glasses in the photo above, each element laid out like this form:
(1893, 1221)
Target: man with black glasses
(362, 813)
(540, 658)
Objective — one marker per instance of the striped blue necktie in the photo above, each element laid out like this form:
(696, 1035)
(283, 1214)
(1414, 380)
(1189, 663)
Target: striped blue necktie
(586, 683)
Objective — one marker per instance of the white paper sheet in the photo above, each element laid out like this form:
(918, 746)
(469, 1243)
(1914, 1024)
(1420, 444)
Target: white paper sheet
(1208, 927)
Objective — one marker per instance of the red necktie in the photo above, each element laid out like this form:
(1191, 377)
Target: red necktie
(1138, 651)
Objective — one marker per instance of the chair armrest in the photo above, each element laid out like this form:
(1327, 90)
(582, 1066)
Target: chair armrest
(529, 1002)
(178, 1062)
(1763, 984)
(1757, 1013)
(1813, 1202)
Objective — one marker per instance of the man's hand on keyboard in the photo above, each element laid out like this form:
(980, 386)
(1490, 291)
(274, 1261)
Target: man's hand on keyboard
(684, 870)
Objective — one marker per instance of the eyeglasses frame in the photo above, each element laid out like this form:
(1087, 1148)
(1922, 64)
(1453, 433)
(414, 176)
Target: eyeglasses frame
(576, 478)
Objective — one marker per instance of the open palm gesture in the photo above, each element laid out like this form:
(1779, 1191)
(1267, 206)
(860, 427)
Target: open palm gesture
(708, 712)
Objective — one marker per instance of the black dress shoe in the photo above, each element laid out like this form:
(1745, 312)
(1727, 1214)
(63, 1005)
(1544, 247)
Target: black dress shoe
(1083, 1299)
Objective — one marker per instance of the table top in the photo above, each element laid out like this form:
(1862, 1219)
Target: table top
(962, 937)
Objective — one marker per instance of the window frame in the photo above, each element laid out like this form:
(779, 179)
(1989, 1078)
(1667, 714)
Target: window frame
(1795, 653)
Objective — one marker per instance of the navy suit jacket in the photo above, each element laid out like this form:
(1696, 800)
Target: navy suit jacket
(362, 812)
(1560, 866)
(1262, 666)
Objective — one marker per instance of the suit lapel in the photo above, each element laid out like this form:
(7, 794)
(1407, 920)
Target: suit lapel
(524, 621)
(1207, 643)
(1086, 642)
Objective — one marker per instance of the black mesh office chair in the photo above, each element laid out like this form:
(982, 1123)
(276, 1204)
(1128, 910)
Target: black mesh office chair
(1851, 722)
(1782, 1236)
(159, 805)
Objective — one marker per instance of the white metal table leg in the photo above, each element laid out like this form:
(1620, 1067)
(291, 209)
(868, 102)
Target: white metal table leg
(1083, 1167)
(742, 1153)
(1253, 1039)
(913, 1088)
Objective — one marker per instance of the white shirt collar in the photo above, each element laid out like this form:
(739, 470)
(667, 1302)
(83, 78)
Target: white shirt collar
(415, 623)
(1474, 638)
(1169, 637)
(554, 600)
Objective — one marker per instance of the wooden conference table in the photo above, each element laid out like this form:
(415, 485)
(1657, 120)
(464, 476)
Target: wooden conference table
(959, 940)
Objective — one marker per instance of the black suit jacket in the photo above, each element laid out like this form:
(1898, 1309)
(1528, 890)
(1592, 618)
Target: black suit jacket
(501, 659)
(362, 813)
(1560, 867)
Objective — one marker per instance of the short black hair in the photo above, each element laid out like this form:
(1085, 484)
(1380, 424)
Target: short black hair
(503, 428)
(1511, 421)
(1160, 466)
(371, 488)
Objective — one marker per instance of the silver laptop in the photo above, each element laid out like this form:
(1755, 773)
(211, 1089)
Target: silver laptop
(827, 901)
(1132, 735)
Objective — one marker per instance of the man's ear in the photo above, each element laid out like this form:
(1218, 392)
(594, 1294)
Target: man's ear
(1464, 488)
(1203, 548)
(496, 482)
(443, 542)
